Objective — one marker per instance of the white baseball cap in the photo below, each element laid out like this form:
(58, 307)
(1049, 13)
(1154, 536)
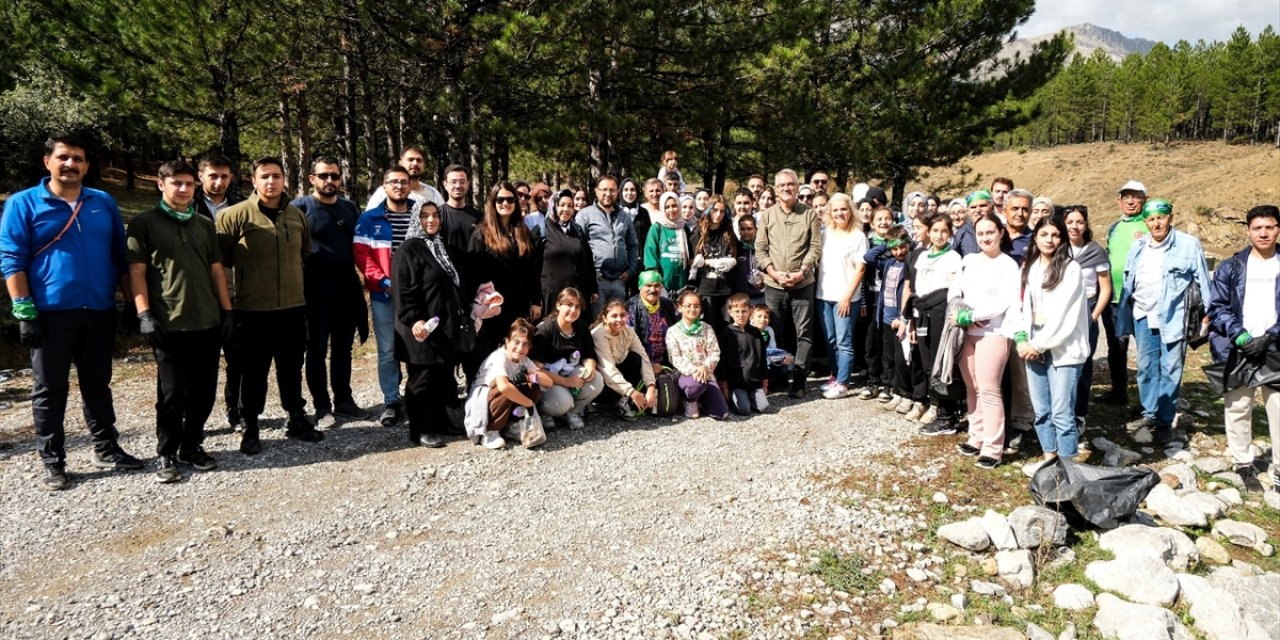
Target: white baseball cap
(1134, 185)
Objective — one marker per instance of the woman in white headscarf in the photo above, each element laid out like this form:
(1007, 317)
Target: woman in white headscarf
(666, 250)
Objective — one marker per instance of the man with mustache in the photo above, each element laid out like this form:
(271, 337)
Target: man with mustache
(62, 252)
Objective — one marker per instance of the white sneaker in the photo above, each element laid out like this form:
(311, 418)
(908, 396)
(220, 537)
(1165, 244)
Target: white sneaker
(575, 421)
(762, 403)
(928, 416)
(831, 382)
(492, 440)
(903, 406)
(835, 391)
(915, 412)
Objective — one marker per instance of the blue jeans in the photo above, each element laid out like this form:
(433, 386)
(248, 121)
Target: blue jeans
(1053, 395)
(384, 330)
(1159, 373)
(839, 334)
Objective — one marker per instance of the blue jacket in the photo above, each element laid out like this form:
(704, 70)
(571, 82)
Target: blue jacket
(1226, 311)
(1184, 265)
(80, 271)
(613, 242)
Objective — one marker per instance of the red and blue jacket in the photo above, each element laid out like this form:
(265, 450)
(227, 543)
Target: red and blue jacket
(372, 246)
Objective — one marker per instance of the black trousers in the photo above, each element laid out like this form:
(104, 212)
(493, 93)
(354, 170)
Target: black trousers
(792, 316)
(186, 386)
(427, 392)
(271, 336)
(897, 371)
(930, 326)
(331, 329)
(630, 369)
(1117, 353)
(231, 388)
(84, 338)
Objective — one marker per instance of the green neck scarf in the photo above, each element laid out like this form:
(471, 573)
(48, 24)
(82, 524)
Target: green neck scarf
(934, 254)
(692, 329)
(180, 216)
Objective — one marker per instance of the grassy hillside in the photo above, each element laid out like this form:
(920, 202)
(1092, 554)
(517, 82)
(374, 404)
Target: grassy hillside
(1211, 185)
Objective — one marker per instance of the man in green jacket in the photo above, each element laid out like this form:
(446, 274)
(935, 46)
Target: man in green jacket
(264, 240)
(1121, 236)
(180, 290)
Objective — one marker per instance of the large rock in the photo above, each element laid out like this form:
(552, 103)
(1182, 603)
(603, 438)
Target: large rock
(1257, 595)
(997, 528)
(1120, 620)
(1037, 632)
(1212, 552)
(1169, 546)
(1217, 613)
(1241, 534)
(1016, 568)
(1034, 525)
(1167, 506)
(968, 534)
(943, 612)
(1072, 596)
(923, 631)
(1141, 579)
(1210, 505)
(1212, 465)
(1185, 475)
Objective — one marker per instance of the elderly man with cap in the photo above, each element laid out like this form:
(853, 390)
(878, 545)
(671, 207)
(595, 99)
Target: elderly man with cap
(1159, 273)
(1120, 238)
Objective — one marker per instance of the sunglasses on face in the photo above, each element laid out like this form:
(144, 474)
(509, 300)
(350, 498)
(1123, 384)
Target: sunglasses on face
(505, 200)
(328, 176)
(806, 197)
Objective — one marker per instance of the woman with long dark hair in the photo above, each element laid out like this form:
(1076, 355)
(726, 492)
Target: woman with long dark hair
(502, 251)
(715, 260)
(1052, 334)
(1095, 269)
(563, 347)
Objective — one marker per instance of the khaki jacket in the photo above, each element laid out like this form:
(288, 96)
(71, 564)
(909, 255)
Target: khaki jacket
(789, 241)
(265, 257)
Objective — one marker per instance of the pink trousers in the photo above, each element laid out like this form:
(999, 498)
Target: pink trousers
(982, 363)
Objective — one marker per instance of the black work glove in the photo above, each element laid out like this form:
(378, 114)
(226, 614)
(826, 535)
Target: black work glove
(228, 328)
(150, 329)
(1257, 347)
(30, 334)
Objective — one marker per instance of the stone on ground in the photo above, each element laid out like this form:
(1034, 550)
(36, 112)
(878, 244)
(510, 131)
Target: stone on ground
(1144, 580)
(968, 534)
(1167, 545)
(1120, 620)
(1241, 534)
(1212, 552)
(1167, 506)
(1215, 612)
(1183, 473)
(1035, 525)
(1073, 597)
(1257, 595)
(997, 529)
(1016, 568)
(924, 631)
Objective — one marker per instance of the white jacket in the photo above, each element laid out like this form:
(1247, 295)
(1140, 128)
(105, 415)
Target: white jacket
(1063, 314)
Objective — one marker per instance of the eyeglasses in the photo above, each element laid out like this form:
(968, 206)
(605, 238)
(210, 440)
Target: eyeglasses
(822, 182)
(1132, 197)
(505, 200)
(522, 195)
(328, 176)
(397, 183)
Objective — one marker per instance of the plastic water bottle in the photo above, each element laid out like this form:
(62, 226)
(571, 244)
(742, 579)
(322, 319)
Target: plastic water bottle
(518, 412)
(573, 362)
(433, 323)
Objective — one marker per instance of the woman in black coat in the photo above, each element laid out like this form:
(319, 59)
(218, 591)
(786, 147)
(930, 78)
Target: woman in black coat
(502, 251)
(431, 309)
(565, 254)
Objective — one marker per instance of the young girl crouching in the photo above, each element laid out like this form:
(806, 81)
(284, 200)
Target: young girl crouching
(694, 352)
(515, 383)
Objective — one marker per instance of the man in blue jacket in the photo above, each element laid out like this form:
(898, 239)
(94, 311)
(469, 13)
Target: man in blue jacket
(62, 251)
(1161, 269)
(1245, 317)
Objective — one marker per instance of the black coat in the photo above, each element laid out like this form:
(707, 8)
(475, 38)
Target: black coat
(423, 290)
(566, 262)
(517, 278)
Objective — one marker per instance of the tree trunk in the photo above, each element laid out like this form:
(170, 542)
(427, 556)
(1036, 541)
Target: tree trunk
(292, 177)
(229, 144)
(303, 116)
(350, 146)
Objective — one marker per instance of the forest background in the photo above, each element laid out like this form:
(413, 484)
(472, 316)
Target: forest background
(567, 91)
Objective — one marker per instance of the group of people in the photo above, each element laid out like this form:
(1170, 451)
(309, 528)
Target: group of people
(638, 298)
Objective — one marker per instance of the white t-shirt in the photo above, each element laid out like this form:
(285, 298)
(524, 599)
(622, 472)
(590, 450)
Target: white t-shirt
(1148, 283)
(1259, 308)
(841, 255)
(990, 286)
(935, 273)
(1090, 276)
(424, 192)
(498, 365)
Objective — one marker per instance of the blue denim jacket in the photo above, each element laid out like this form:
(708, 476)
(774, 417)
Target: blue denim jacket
(1184, 265)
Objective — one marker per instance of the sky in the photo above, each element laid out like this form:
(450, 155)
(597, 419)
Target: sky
(1161, 20)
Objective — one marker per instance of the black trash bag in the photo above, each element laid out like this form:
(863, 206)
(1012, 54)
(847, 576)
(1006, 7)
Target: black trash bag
(1090, 496)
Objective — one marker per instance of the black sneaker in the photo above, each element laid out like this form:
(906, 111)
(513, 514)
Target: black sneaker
(167, 470)
(249, 443)
(1249, 475)
(234, 421)
(1112, 398)
(390, 415)
(300, 428)
(966, 449)
(430, 441)
(1165, 435)
(115, 458)
(55, 477)
(986, 462)
(350, 411)
(198, 459)
(938, 427)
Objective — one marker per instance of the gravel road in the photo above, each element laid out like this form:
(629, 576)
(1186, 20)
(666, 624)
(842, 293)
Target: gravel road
(653, 529)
